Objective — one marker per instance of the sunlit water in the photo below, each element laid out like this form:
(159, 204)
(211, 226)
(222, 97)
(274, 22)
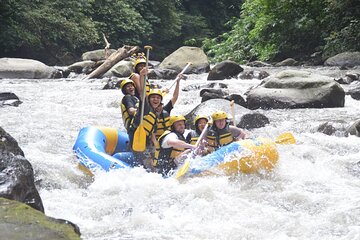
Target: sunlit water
(313, 193)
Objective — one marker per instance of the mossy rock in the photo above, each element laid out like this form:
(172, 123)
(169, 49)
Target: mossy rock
(19, 221)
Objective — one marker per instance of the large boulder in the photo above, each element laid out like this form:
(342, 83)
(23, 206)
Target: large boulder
(210, 106)
(122, 69)
(16, 174)
(25, 68)
(296, 89)
(253, 120)
(96, 55)
(224, 70)
(178, 60)
(345, 59)
(82, 67)
(19, 221)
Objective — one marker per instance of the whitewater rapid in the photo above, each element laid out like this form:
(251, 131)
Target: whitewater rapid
(313, 193)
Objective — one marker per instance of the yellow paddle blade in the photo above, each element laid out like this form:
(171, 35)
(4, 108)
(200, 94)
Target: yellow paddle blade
(139, 142)
(183, 169)
(285, 138)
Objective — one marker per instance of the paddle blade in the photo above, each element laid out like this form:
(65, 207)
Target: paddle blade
(285, 138)
(183, 169)
(139, 142)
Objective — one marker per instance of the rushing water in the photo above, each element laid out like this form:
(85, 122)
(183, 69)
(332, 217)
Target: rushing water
(313, 193)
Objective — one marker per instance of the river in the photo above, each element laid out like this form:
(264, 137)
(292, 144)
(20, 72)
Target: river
(313, 192)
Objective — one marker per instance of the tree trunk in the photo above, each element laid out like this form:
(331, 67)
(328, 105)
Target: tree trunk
(114, 58)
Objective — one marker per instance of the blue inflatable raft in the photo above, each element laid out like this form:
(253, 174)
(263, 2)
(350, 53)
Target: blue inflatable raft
(107, 148)
(103, 148)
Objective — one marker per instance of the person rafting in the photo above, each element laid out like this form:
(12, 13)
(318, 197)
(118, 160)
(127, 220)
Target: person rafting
(138, 76)
(172, 145)
(220, 133)
(152, 101)
(200, 122)
(163, 111)
(129, 103)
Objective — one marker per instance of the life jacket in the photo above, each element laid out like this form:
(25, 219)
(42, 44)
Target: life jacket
(192, 137)
(164, 157)
(125, 115)
(217, 138)
(149, 121)
(163, 124)
(147, 86)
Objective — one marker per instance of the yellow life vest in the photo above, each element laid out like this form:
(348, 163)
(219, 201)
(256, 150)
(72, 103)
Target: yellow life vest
(167, 154)
(217, 138)
(193, 137)
(149, 122)
(126, 116)
(163, 124)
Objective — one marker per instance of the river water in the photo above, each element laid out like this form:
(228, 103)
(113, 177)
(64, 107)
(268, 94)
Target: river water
(313, 192)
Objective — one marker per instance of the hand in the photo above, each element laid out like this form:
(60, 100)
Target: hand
(165, 90)
(144, 71)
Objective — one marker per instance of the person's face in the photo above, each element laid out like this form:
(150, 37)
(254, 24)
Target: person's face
(155, 101)
(220, 124)
(179, 126)
(139, 67)
(129, 89)
(201, 123)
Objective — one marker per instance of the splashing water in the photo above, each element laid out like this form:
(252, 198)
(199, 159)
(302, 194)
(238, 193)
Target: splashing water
(312, 193)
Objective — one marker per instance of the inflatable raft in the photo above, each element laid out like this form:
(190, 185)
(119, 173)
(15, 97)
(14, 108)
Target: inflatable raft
(103, 148)
(107, 148)
(245, 156)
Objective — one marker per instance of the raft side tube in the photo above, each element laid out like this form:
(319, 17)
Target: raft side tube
(90, 149)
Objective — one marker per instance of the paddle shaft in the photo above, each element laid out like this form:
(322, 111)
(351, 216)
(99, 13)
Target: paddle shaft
(144, 88)
(232, 106)
(177, 78)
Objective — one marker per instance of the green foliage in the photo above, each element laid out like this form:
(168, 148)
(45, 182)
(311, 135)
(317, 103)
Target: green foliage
(46, 29)
(269, 29)
(120, 22)
(343, 33)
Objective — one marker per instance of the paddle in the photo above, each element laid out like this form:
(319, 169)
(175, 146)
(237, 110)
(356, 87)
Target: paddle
(285, 138)
(182, 72)
(183, 169)
(139, 141)
(232, 106)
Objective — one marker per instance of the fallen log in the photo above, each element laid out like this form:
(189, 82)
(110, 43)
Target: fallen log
(114, 58)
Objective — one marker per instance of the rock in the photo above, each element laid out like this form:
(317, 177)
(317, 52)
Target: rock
(354, 129)
(163, 74)
(81, 67)
(18, 221)
(224, 70)
(96, 55)
(354, 90)
(16, 174)
(238, 99)
(254, 74)
(122, 69)
(287, 62)
(178, 60)
(345, 59)
(210, 106)
(25, 68)
(9, 99)
(253, 120)
(296, 89)
(258, 64)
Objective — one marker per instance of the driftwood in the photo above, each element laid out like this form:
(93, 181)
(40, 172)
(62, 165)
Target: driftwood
(107, 47)
(114, 58)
